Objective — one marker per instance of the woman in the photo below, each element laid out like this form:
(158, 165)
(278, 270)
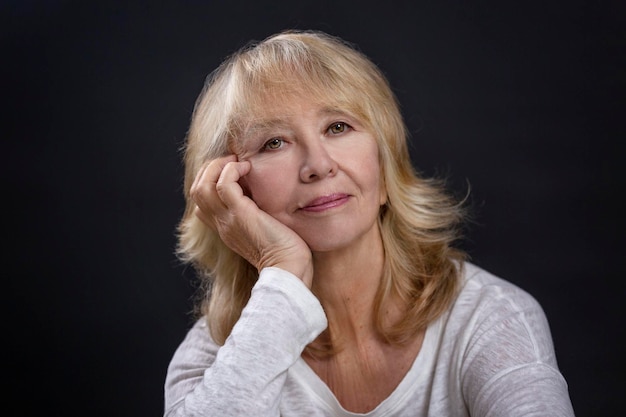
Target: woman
(332, 287)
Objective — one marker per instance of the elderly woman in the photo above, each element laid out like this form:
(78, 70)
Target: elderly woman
(331, 286)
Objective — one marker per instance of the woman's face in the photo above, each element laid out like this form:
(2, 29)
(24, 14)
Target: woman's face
(316, 170)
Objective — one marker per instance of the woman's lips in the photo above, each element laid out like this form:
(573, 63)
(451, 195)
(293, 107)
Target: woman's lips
(326, 202)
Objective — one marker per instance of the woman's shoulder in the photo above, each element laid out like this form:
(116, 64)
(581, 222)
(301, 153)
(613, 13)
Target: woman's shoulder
(490, 319)
(486, 301)
(480, 288)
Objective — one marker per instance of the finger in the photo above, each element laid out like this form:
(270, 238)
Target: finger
(208, 220)
(211, 171)
(228, 187)
(199, 175)
(203, 188)
(203, 191)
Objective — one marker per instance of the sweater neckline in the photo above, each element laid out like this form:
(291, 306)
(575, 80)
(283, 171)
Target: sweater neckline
(417, 375)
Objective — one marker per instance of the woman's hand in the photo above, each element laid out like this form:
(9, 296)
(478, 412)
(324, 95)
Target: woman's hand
(255, 235)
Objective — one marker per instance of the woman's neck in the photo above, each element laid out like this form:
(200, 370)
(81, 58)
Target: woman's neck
(346, 283)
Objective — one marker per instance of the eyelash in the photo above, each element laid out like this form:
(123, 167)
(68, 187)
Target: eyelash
(342, 125)
(266, 145)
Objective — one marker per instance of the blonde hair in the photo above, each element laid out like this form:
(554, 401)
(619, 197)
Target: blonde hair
(419, 222)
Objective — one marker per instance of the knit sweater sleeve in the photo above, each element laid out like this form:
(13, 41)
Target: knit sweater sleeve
(246, 375)
(510, 367)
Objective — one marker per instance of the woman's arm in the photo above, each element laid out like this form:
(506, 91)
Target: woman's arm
(509, 366)
(245, 377)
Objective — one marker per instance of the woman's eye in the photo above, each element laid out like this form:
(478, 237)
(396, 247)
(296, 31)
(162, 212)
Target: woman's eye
(337, 128)
(273, 144)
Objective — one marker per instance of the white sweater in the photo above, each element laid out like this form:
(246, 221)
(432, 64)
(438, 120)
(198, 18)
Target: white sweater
(490, 354)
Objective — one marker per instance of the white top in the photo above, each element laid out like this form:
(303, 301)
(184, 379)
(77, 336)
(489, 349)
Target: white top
(490, 354)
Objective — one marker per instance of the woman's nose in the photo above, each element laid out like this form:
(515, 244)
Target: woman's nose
(317, 163)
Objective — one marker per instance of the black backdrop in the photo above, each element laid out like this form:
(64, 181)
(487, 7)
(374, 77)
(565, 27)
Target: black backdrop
(523, 100)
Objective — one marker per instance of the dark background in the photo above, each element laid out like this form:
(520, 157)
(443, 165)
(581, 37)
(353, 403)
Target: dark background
(523, 100)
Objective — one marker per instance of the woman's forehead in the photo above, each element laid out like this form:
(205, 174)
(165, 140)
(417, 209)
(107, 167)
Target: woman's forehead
(281, 111)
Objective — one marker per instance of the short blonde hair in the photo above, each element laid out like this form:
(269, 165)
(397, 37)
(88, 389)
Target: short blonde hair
(419, 222)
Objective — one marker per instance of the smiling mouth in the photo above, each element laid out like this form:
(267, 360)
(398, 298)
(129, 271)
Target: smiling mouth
(326, 202)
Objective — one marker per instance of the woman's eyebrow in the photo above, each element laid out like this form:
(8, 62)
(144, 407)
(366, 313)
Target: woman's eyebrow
(261, 125)
(337, 112)
(332, 111)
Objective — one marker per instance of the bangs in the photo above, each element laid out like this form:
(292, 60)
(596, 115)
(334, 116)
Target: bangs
(275, 72)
